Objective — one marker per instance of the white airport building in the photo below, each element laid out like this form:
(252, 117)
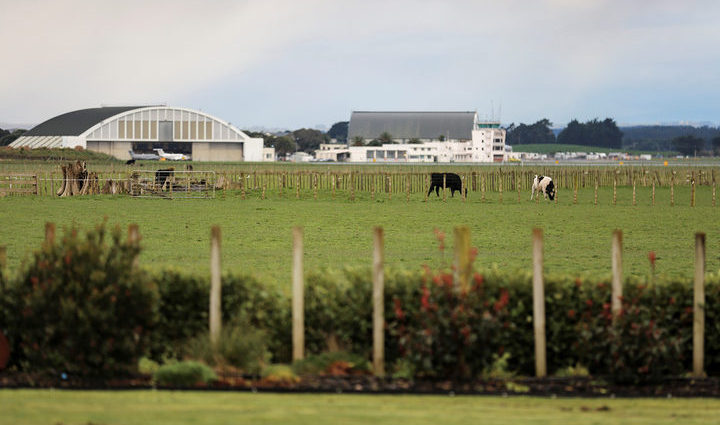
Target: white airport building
(419, 137)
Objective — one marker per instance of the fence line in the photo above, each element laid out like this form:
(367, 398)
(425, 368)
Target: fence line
(409, 182)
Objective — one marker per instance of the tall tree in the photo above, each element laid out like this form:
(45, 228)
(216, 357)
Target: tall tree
(386, 138)
(339, 131)
(284, 145)
(716, 145)
(6, 137)
(688, 145)
(309, 140)
(524, 134)
(593, 133)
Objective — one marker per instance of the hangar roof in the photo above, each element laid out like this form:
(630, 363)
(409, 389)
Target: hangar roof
(408, 125)
(76, 122)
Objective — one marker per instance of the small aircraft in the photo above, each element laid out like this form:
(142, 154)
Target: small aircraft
(172, 156)
(144, 156)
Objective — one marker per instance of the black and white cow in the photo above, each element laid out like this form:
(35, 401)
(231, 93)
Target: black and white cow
(452, 182)
(545, 185)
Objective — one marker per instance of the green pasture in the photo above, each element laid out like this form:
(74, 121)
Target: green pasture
(256, 234)
(44, 407)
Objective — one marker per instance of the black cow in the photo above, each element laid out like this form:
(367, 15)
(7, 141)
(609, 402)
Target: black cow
(161, 176)
(452, 182)
(130, 162)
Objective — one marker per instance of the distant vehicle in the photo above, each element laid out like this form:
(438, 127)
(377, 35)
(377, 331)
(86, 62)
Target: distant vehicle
(143, 156)
(172, 156)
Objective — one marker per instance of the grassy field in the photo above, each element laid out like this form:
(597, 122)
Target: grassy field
(257, 233)
(44, 407)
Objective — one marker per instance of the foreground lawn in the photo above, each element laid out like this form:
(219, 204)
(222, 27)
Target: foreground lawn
(47, 407)
(257, 233)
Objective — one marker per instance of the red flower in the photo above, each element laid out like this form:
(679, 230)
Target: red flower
(425, 300)
(437, 280)
(571, 313)
(651, 257)
(589, 302)
(503, 301)
(478, 280)
(448, 279)
(398, 309)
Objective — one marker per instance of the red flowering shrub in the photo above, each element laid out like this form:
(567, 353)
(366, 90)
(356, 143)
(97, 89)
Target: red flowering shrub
(445, 332)
(82, 307)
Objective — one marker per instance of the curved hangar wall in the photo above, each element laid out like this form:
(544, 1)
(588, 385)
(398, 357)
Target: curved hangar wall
(208, 138)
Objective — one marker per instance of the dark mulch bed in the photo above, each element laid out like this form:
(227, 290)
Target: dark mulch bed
(547, 387)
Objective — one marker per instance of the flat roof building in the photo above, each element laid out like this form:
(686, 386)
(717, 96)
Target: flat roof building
(424, 137)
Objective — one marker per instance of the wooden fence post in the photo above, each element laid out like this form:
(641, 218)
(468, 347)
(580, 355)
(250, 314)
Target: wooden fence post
(463, 267)
(352, 186)
(242, 186)
(539, 304)
(692, 190)
(575, 191)
(389, 186)
(596, 187)
(653, 191)
(617, 290)
(378, 303)
(49, 233)
(482, 187)
(500, 187)
(699, 307)
(672, 189)
(407, 188)
(298, 294)
(615, 189)
(315, 185)
(215, 286)
(634, 203)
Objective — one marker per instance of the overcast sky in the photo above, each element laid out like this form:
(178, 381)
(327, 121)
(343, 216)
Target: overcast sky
(303, 63)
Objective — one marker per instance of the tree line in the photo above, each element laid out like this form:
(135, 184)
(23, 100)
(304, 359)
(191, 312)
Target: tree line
(594, 133)
(7, 136)
(304, 139)
(686, 140)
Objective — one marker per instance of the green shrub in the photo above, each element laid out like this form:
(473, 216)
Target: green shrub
(183, 312)
(262, 306)
(82, 307)
(240, 346)
(184, 374)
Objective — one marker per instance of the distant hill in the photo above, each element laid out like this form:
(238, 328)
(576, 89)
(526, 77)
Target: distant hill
(659, 137)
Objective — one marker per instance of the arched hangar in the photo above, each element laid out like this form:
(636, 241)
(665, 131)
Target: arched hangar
(117, 130)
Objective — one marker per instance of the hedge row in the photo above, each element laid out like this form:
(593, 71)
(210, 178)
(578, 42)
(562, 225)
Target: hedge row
(82, 306)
